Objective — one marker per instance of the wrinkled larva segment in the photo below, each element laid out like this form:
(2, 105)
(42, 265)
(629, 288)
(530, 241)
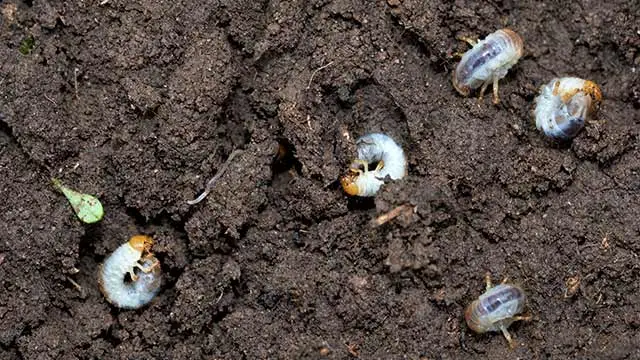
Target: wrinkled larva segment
(496, 309)
(487, 62)
(374, 148)
(564, 105)
(132, 258)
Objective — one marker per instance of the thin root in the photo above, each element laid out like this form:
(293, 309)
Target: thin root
(316, 71)
(50, 100)
(405, 210)
(352, 348)
(75, 80)
(215, 178)
(219, 297)
(76, 285)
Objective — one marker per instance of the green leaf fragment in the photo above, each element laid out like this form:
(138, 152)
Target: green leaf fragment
(88, 208)
(27, 44)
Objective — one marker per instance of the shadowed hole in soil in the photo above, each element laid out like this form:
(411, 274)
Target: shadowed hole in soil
(361, 203)
(86, 247)
(372, 166)
(6, 132)
(162, 219)
(285, 159)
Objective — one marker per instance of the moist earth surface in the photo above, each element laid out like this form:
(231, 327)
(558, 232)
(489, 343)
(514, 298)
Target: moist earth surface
(141, 102)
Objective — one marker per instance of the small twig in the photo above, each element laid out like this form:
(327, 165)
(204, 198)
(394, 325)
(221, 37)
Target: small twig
(50, 99)
(104, 2)
(352, 348)
(405, 209)
(77, 286)
(75, 80)
(316, 71)
(215, 178)
(219, 297)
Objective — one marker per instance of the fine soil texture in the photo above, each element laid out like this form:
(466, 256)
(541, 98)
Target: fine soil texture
(141, 102)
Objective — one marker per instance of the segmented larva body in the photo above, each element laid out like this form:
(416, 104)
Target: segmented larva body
(487, 62)
(373, 148)
(563, 106)
(133, 258)
(496, 309)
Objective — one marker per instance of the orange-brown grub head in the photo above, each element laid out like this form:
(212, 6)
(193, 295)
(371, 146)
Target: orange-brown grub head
(516, 39)
(471, 322)
(461, 89)
(348, 183)
(593, 90)
(141, 242)
(568, 94)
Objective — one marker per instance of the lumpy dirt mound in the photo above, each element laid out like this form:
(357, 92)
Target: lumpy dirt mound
(142, 102)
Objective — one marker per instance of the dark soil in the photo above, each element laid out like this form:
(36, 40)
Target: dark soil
(141, 102)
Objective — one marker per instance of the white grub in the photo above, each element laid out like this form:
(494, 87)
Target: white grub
(373, 148)
(496, 309)
(131, 258)
(487, 62)
(564, 105)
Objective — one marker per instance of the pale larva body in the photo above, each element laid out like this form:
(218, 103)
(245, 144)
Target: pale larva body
(373, 148)
(496, 309)
(487, 62)
(563, 106)
(143, 270)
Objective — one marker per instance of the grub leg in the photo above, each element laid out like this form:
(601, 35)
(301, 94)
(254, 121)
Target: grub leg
(496, 97)
(487, 280)
(364, 164)
(507, 336)
(133, 275)
(482, 91)
(522, 318)
(148, 268)
(469, 40)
